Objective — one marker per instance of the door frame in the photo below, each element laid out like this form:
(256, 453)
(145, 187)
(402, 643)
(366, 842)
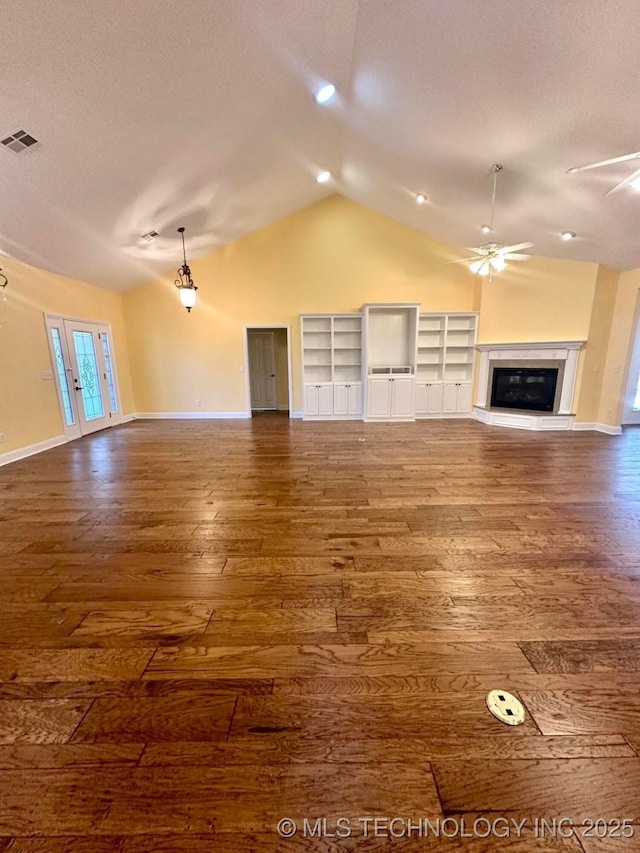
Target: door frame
(73, 431)
(257, 327)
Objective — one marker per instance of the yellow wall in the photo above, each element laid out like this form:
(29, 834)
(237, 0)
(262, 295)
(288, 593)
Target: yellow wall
(29, 410)
(542, 299)
(331, 257)
(616, 369)
(595, 350)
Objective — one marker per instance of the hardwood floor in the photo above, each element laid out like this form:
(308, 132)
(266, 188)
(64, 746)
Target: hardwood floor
(211, 626)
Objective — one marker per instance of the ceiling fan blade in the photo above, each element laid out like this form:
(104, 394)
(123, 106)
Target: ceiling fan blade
(623, 184)
(462, 260)
(515, 256)
(515, 248)
(613, 160)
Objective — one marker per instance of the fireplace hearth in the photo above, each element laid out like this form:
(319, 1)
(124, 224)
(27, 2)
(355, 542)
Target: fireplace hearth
(533, 389)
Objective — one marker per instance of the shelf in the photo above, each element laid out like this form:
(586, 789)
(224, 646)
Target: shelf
(405, 370)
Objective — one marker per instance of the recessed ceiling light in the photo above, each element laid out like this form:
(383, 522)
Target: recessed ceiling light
(324, 95)
(421, 198)
(568, 235)
(486, 229)
(323, 177)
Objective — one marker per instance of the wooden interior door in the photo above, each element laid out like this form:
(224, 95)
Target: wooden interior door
(262, 370)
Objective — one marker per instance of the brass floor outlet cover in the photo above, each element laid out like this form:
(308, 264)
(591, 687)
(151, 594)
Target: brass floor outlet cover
(506, 707)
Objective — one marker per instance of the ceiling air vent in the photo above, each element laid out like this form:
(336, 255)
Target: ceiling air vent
(19, 141)
(149, 236)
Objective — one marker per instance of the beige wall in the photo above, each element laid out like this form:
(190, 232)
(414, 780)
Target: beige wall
(542, 299)
(595, 350)
(29, 410)
(623, 325)
(330, 257)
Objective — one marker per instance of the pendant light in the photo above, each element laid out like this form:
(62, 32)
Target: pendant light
(184, 282)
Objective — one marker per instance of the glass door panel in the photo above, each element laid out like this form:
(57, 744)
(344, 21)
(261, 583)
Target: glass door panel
(89, 374)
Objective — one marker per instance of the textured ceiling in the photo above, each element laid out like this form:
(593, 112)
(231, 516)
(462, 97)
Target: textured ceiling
(153, 114)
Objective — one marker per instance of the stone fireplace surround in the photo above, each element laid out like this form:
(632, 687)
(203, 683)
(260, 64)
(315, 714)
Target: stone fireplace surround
(561, 354)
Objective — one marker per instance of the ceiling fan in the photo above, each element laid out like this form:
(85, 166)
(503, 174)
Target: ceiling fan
(632, 181)
(493, 256)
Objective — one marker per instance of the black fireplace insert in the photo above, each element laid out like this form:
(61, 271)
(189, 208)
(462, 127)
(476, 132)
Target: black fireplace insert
(524, 388)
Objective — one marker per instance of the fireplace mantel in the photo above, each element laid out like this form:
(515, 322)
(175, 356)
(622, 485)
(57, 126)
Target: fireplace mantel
(533, 351)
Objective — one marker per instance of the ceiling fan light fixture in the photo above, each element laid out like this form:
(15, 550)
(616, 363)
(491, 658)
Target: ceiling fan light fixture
(498, 263)
(479, 267)
(325, 94)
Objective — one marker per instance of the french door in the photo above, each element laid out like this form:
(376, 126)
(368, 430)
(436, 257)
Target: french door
(85, 375)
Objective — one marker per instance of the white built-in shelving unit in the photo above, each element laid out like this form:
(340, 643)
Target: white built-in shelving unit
(408, 364)
(390, 332)
(332, 365)
(446, 349)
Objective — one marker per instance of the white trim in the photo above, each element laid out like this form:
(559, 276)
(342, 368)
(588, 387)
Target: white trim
(127, 418)
(32, 449)
(606, 428)
(296, 415)
(535, 345)
(443, 416)
(247, 375)
(534, 421)
(189, 415)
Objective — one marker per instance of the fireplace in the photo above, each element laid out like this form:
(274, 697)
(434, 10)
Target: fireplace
(531, 388)
(544, 403)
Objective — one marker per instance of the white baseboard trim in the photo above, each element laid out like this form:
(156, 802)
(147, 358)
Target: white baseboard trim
(298, 415)
(606, 428)
(32, 449)
(127, 418)
(190, 415)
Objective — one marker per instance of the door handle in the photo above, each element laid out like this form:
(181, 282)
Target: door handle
(272, 375)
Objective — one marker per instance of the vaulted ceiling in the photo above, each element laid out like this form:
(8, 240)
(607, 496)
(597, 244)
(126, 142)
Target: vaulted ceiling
(151, 114)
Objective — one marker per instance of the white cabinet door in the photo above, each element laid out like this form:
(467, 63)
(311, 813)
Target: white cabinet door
(311, 399)
(450, 397)
(318, 399)
(422, 398)
(402, 404)
(340, 398)
(379, 404)
(457, 397)
(464, 397)
(354, 398)
(434, 398)
(325, 399)
(347, 398)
